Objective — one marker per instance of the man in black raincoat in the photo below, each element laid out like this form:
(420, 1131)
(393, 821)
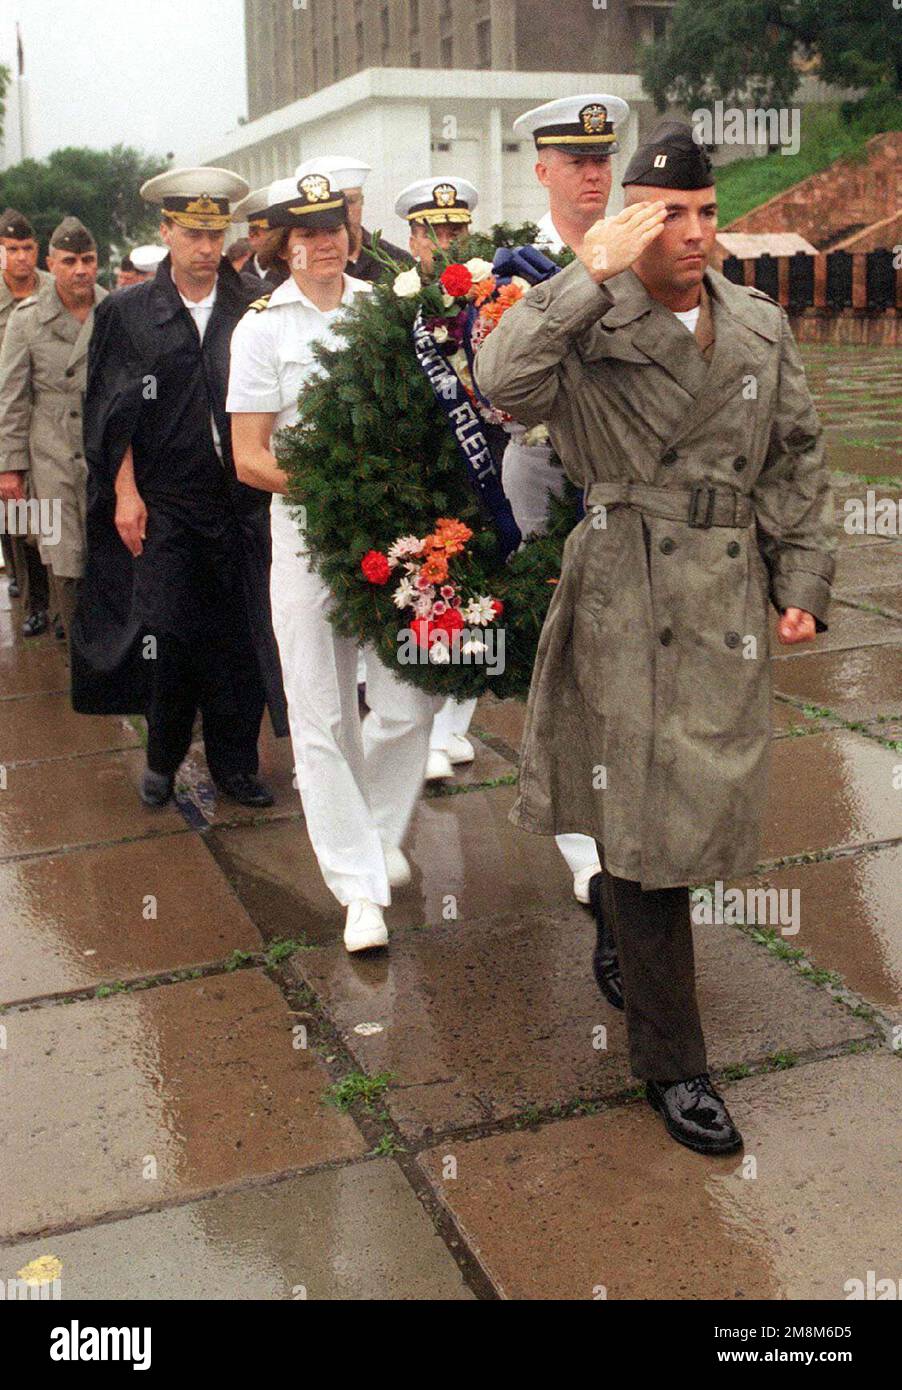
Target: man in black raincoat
(174, 613)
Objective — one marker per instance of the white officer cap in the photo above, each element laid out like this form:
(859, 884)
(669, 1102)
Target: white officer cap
(438, 199)
(585, 124)
(343, 173)
(146, 259)
(252, 209)
(199, 198)
(309, 201)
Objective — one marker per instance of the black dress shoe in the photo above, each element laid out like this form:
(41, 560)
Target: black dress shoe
(35, 626)
(14, 591)
(246, 789)
(605, 962)
(156, 788)
(695, 1114)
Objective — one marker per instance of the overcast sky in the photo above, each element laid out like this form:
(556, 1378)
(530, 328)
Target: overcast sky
(160, 74)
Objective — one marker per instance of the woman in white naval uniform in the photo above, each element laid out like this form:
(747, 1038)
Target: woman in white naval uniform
(359, 785)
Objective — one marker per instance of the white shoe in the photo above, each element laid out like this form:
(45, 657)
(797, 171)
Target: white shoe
(399, 874)
(365, 928)
(581, 883)
(438, 766)
(460, 750)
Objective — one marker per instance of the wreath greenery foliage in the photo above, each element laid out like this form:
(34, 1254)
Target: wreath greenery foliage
(372, 459)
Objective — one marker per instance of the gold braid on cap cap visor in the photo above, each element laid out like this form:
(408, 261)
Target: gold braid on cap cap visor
(455, 215)
(577, 139)
(305, 208)
(203, 214)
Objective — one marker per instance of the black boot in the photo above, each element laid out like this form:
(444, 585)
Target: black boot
(695, 1114)
(246, 789)
(156, 788)
(35, 625)
(605, 962)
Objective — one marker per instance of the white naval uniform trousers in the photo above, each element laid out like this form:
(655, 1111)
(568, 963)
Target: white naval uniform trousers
(358, 785)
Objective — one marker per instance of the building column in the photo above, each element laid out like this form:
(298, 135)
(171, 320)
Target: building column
(494, 192)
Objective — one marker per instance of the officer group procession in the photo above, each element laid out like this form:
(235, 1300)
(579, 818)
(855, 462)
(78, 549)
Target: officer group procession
(617, 366)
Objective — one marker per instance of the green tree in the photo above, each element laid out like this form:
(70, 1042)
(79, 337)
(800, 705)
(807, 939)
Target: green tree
(752, 50)
(99, 186)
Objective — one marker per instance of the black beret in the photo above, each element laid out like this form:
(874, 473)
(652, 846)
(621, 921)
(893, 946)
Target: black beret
(671, 157)
(16, 226)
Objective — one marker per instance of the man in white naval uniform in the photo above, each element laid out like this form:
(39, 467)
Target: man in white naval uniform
(359, 785)
(575, 138)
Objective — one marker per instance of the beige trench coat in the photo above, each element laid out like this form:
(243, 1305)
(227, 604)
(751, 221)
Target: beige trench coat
(648, 724)
(43, 375)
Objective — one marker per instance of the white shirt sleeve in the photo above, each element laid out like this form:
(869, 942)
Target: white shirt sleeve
(254, 387)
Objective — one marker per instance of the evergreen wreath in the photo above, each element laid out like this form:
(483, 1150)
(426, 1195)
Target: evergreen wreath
(379, 487)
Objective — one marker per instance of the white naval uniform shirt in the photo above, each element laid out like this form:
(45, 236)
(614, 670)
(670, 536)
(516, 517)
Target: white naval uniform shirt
(548, 237)
(201, 310)
(272, 356)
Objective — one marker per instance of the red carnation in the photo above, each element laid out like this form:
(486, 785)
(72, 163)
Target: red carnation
(375, 567)
(422, 631)
(498, 608)
(456, 281)
(449, 621)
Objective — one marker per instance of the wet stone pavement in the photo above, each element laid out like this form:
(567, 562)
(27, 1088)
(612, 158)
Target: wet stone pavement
(205, 1097)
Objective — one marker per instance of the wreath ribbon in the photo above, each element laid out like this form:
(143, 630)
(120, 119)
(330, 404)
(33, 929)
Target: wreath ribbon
(469, 436)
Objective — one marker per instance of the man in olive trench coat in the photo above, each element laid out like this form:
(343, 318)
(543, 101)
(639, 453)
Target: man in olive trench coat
(700, 453)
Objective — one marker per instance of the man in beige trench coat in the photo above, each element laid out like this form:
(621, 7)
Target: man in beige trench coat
(43, 373)
(678, 401)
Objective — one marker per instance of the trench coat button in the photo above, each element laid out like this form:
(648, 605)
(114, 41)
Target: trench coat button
(666, 637)
(667, 546)
(670, 457)
(73, 414)
(734, 549)
(70, 371)
(740, 463)
(732, 640)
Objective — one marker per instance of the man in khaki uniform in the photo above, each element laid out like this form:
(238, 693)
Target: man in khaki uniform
(678, 401)
(19, 280)
(43, 375)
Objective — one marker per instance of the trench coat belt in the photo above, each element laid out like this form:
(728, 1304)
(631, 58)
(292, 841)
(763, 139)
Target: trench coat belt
(701, 506)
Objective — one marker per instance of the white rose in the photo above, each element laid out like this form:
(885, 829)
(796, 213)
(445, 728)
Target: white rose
(407, 284)
(480, 270)
(441, 334)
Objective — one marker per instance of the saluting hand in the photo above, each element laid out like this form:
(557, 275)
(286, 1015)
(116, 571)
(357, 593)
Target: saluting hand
(131, 521)
(796, 626)
(613, 243)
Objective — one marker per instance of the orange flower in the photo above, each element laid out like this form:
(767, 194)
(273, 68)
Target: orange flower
(450, 536)
(485, 289)
(434, 568)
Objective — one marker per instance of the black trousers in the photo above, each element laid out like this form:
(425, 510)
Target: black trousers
(219, 676)
(23, 563)
(652, 930)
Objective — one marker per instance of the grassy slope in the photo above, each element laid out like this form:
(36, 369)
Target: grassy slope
(747, 183)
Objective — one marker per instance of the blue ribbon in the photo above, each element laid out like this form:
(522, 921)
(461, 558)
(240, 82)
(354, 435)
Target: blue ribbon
(469, 435)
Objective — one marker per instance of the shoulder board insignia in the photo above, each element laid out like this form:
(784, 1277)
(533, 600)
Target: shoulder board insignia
(260, 304)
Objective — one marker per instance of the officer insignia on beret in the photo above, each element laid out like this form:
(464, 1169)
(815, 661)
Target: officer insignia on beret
(445, 195)
(594, 119)
(316, 187)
